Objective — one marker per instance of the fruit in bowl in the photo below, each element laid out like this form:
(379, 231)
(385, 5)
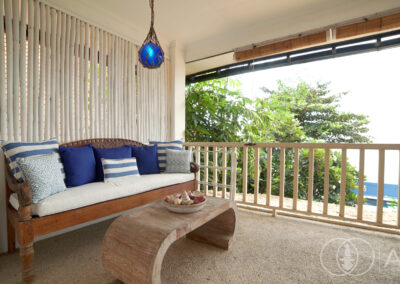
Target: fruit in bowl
(187, 202)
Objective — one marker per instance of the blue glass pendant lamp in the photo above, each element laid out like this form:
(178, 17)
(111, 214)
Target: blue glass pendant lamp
(151, 54)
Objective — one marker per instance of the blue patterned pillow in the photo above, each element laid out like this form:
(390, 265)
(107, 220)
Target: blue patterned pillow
(42, 173)
(14, 150)
(118, 169)
(161, 151)
(178, 161)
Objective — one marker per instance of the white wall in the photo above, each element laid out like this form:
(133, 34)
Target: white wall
(178, 90)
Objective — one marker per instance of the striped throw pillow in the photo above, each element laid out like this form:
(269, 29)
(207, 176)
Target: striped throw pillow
(118, 169)
(15, 150)
(162, 151)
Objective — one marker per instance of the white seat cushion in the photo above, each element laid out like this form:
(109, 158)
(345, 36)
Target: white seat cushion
(96, 192)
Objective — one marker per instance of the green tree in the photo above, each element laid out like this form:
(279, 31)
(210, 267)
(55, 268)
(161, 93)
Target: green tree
(318, 113)
(216, 111)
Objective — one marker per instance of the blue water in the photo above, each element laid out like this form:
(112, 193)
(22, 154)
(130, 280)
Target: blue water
(390, 191)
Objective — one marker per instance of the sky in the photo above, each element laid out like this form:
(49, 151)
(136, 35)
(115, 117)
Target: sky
(372, 82)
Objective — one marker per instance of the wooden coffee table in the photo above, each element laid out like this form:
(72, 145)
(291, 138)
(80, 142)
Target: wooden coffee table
(135, 243)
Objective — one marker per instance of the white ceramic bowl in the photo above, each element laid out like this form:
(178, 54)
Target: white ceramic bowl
(184, 209)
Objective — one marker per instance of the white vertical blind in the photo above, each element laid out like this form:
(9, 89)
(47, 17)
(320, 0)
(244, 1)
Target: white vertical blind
(22, 69)
(31, 21)
(53, 80)
(85, 81)
(35, 71)
(9, 67)
(153, 103)
(49, 31)
(42, 70)
(15, 21)
(61, 77)
(3, 101)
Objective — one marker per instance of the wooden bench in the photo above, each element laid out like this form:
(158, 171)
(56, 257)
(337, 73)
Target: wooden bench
(27, 227)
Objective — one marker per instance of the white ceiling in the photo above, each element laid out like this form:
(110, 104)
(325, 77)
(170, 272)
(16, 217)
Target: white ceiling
(209, 27)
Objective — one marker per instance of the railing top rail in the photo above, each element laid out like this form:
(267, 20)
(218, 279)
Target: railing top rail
(299, 145)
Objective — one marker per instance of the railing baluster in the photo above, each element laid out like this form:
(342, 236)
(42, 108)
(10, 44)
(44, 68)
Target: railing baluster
(268, 176)
(381, 187)
(197, 157)
(310, 179)
(360, 195)
(224, 171)
(398, 197)
(326, 182)
(282, 178)
(295, 178)
(256, 173)
(244, 172)
(233, 174)
(206, 170)
(215, 171)
(343, 182)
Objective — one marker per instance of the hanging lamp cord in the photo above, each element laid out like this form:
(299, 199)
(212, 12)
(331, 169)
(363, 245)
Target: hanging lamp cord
(151, 2)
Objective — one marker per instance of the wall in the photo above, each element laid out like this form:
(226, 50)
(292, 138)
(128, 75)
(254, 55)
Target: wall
(178, 90)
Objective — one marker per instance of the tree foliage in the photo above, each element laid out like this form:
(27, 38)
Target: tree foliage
(216, 111)
(318, 113)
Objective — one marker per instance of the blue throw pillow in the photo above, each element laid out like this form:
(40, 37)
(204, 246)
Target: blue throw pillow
(161, 150)
(146, 158)
(123, 152)
(79, 165)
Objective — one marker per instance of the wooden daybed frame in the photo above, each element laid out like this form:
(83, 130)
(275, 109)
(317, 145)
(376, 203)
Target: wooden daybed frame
(28, 227)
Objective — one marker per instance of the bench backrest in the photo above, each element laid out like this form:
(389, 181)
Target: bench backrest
(103, 143)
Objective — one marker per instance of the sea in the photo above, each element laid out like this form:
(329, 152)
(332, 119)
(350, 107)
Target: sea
(391, 192)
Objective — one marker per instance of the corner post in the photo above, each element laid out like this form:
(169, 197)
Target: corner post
(178, 80)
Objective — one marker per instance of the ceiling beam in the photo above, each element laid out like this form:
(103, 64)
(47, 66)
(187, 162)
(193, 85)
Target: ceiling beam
(282, 46)
(334, 33)
(368, 27)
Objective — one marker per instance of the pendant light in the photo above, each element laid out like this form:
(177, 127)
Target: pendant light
(151, 54)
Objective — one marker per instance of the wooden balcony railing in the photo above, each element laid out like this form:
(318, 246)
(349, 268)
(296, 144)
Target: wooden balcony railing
(219, 178)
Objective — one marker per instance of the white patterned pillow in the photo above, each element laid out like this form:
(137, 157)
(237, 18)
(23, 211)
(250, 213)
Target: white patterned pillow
(178, 161)
(14, 150)
(162, 148)
(43, 175)
(118, 169)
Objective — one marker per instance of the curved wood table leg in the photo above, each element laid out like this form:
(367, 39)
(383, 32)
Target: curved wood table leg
(135, 244)
(219, 231)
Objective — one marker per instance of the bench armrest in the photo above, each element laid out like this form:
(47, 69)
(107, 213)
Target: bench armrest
(24, 194)
(194, 168)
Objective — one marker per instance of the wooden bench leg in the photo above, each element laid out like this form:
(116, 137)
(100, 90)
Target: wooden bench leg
(26, 256)
(25, 240)
(10, 237)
